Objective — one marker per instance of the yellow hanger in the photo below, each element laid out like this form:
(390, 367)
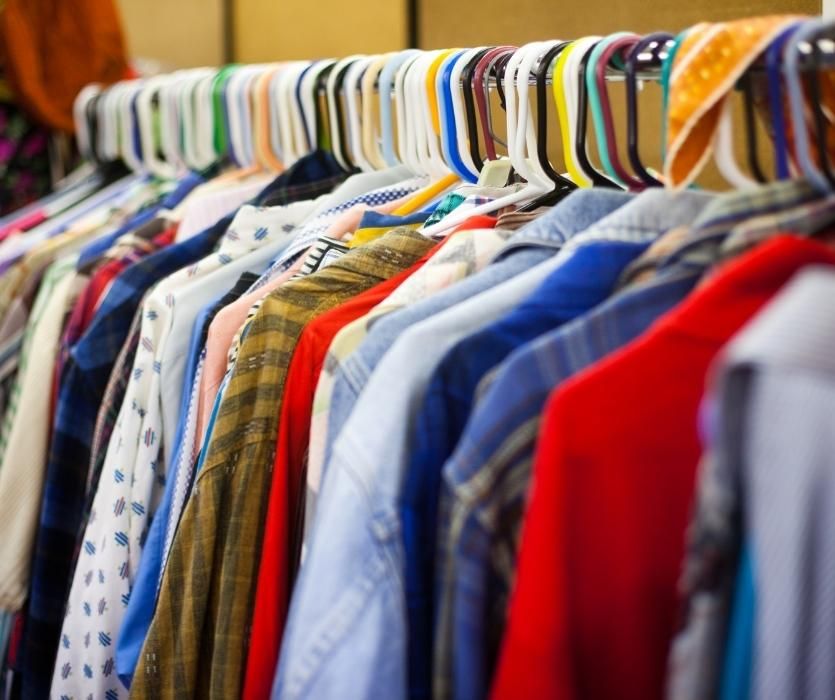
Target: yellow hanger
(558, 85)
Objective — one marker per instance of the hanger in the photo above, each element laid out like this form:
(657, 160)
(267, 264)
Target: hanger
(613, 50)
(130, 143)
(169, 122)
(292, 130)
(147, 114)
(354, 110)
(459, 113)
(816, 96)
(407, 112)
(467, 78)
(370, 137)
(480, 79)
(774, 71)
(525, 194)
(805, 33)
(654, 43)
(453, 133)
(522, 140)
(431, 98)
(339, 133)
(419, 114)
(597, 178)
(561, 185)
(265, 152)
(82, 126)
(601, 120)
(386, 81)
(750, 121)
(563, 84)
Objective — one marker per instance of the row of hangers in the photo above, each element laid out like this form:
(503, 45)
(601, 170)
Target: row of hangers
(431, 110)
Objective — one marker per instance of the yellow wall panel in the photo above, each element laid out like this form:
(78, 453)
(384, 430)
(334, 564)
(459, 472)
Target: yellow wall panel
(268, 30)
(474, 22)
(175, 33)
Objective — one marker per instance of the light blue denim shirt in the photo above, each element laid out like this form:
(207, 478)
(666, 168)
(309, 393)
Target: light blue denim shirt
(347, 625)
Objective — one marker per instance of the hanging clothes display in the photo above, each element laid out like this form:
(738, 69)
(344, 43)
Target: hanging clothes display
(318, 401)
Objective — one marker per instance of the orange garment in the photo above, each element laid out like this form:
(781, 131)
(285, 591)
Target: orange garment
(50, 49)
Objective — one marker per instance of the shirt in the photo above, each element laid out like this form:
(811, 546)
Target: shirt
(282, 531)
(27, 434)
(388, 185)
(356, 537)
(134, 471)
(465, 252)
(765, 481)
(142, 601)
(583, 281)
(532, 244)
(92, 360)
(85, 379)
(202, 652)
(630, 513)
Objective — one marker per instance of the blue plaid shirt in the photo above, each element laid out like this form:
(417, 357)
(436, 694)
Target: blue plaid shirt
(82, 388)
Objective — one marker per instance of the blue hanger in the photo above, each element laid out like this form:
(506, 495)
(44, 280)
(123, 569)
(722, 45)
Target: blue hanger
(449, 132)
(774, 65)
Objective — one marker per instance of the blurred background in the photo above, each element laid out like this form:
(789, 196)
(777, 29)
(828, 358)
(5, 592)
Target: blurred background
(249, 31)
(50, 48)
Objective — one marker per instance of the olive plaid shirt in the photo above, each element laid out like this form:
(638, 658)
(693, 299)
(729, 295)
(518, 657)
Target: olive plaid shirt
(196, 646)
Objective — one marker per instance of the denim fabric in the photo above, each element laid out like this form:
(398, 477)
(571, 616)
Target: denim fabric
(531, 245)
(581, 283)
(349, 605)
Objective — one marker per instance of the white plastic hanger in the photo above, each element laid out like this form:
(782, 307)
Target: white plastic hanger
(79, 112)
(333, 98)
(205, 119)
(524, 143)
(354, 110)
(290, 131)
(530, 191)
(169, 121)
(426, 160)
(145, 110)
(370, 136)
(128, 128)
(387, 121)
(406, 139)
(308, 99)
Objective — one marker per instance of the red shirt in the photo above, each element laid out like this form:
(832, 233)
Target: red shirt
(595, 603)
(283, 529)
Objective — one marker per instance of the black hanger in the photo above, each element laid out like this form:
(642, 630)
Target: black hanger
(340, 119)
(91, 115)
(562, 185)
(467, 76)
(659, 40)
(592, 173)
(751, 150)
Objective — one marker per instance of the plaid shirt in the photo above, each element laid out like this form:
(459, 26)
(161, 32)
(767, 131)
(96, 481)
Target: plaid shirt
(196, 644)
(485, 481)
(83, 387)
